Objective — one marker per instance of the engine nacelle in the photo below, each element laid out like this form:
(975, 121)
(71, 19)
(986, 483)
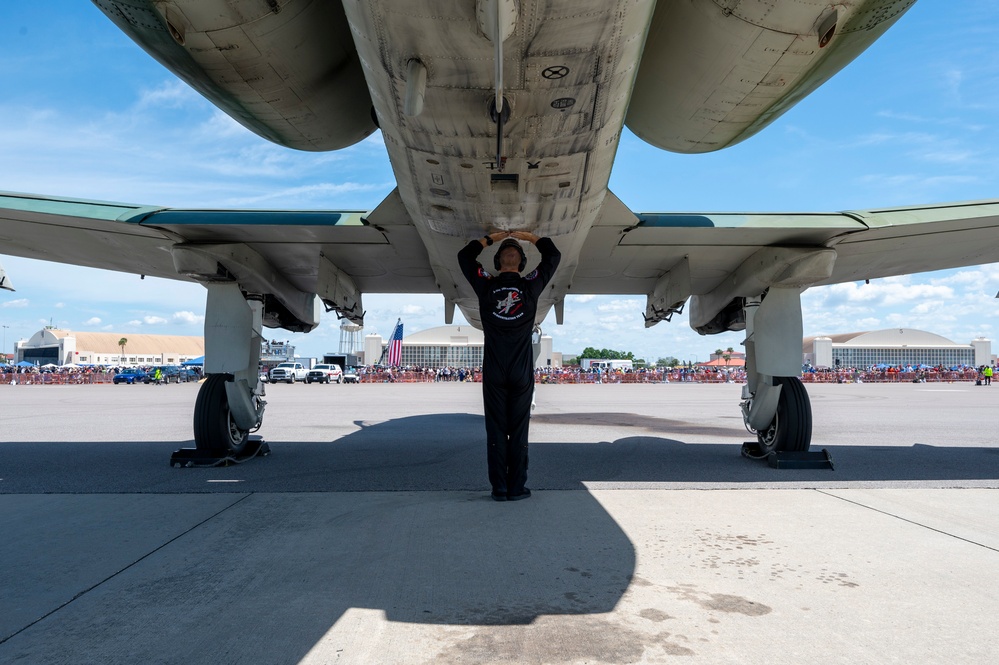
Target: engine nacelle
(261, 62)
(713, 73)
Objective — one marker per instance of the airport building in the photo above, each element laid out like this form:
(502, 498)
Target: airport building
(446, 346)
(64, 347)
(893, 346)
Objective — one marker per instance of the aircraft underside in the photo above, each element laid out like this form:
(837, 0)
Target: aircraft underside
(506, 115)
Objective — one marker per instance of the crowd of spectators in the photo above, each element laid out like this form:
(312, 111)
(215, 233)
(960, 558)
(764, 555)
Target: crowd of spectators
(66, 374)
(694, 374)
(569, 374)
(892, 374)
(550, 375)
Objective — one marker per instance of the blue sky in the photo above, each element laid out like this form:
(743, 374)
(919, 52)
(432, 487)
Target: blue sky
(85, 113)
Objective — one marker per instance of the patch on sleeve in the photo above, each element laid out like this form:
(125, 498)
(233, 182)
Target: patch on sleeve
(483, 274)
(532, 275)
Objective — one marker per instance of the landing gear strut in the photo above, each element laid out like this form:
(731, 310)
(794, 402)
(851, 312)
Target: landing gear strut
(230, 403)
(775, 405)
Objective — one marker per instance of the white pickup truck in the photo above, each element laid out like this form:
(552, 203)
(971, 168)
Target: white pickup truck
(324, 373)
(289, 372)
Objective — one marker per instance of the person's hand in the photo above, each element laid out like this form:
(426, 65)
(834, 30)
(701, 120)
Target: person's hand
(494, 237)
(525, 235)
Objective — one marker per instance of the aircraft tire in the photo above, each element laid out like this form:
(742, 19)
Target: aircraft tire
(214, 431)
(791, 429)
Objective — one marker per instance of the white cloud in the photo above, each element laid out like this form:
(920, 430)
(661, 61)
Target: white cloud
(20, 302)
(153, 320)
(885, 292)
(187, 318)
(172, 93)
(92, 321)
(622, 305)
(948, 156)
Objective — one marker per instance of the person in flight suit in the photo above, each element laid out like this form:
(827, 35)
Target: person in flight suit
(508, 304)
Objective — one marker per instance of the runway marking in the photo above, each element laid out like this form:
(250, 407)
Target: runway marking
(225, 481)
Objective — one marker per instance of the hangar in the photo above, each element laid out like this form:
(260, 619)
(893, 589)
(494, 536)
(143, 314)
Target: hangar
(447, 346)
(893, 346)
(63, 347)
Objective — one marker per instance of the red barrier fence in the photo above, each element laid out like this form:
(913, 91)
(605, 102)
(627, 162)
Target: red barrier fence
(891, 377)
(678, 376)
(404, 376)
(83, 378)
(56, 378)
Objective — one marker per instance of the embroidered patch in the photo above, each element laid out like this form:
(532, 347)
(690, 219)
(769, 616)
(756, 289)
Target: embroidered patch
(510, 306)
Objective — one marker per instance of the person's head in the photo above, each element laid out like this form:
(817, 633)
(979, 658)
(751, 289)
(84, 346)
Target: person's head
(510, 257)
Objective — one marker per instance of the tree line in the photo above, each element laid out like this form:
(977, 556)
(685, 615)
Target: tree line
(611, 354)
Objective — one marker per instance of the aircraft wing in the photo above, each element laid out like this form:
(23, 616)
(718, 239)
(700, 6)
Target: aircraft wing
(285, 253)
(381, 252)
(672, 256)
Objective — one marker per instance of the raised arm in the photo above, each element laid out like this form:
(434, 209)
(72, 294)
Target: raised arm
(550, 256)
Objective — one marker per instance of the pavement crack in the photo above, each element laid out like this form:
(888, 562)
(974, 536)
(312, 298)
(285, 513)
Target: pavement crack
(122, 570)
(905, 519)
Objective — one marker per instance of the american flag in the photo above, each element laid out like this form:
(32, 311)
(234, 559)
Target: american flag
(395, 345)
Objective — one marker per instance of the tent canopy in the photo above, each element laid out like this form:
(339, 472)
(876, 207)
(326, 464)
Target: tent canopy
(194, 361)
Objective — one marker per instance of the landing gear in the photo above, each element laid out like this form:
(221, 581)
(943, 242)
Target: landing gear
(230, 404)
(215, 432)
(244, 292)
(775, 405)
(791, 428)
(768, 287)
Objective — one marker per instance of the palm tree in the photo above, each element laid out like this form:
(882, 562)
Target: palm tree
(728, 355)
(122, 342)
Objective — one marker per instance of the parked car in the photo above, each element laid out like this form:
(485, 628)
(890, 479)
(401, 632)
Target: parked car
(350, 375)
(150, 376)
(290, 372)
(171, 374)
(184, 374)
(324, 374)
(129, 376)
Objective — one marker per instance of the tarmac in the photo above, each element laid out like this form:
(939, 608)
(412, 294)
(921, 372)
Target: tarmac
(367, 534)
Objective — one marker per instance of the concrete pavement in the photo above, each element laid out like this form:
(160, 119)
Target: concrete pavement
(368, 536)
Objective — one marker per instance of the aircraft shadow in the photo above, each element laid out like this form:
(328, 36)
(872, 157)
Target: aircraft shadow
(442, 452)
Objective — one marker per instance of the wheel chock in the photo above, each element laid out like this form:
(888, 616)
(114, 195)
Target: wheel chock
(192, 457)
(786, 459)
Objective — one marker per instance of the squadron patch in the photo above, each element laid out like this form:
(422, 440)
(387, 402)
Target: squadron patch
(509, 303)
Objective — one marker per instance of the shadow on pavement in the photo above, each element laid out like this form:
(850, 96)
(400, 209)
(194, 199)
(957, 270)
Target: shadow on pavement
(447, 452)
(265, 576)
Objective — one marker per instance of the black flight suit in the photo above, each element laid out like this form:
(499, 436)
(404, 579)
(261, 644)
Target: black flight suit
(507, 306)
